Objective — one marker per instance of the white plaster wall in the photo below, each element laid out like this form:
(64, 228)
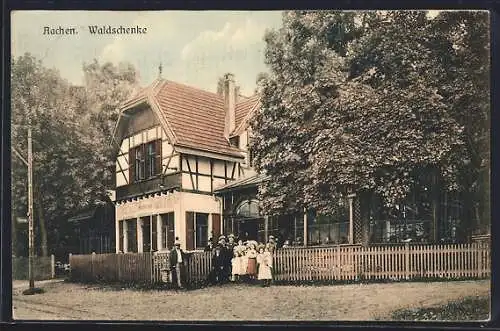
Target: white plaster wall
(204, 165)
(204, 183)
(218, 168)
(187, 183)
(200, 203)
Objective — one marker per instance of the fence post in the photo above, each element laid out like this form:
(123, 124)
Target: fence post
(70, 267)
(92, 266)
(52, 266)
(407, 260)
(479, 249)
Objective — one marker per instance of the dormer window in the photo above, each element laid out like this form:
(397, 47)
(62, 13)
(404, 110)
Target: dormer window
(235, 141)
(145, 161)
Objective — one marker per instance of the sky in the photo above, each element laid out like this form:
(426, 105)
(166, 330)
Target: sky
(194, 48)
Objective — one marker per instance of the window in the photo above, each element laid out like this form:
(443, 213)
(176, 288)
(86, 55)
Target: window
(201, 230)
(145, 161)
(235, 141)
(139, 163)
(131, 235)
(248, 208)
(150, 160)
(167, 231)
(120, 236)
(251, 156)
(331, 229)
(154, 244)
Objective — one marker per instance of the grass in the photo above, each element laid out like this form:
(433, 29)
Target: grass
(469, 308)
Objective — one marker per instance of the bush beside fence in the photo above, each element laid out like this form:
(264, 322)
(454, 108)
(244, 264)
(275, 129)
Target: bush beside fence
(43, 268)
(303, 264)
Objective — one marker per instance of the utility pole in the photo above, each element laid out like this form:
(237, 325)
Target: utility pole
(30, 210)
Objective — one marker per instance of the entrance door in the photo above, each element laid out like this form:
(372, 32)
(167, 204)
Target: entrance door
(248, 229)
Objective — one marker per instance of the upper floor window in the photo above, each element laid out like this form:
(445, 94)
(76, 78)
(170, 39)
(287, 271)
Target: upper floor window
(235, 141)
(145, 161)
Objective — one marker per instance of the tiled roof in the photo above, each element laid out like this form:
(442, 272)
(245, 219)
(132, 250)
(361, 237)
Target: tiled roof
(195, 116)
(243, 182)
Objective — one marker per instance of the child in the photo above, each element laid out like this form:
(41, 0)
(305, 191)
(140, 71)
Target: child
(243, 263)
(235, 266)
(265, 261)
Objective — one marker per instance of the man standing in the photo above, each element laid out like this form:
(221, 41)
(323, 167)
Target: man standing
(177, 260)
(218, 260)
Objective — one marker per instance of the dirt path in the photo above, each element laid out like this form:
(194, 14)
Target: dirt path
(239, 302)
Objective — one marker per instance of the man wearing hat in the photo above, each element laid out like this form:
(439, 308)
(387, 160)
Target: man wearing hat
(271, 244)
(177, 262)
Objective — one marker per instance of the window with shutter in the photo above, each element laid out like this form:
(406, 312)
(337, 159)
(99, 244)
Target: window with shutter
(215, 226)
(158, 168)
(120, 236)
(201, 230)
(171, 229)
(154, 235)
(189, 230)
(131, 165)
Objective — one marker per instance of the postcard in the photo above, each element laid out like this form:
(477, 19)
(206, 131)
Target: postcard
(325, 165)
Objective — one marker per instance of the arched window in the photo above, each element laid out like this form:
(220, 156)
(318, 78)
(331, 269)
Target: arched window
(248, 208)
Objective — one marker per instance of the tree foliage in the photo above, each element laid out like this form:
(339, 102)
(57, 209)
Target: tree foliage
(368, 101)
(70, 131)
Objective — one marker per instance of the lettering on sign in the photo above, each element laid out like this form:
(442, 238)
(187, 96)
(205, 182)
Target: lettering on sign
(156, 205)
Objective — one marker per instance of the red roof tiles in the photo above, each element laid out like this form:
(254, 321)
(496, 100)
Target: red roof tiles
(195, 116)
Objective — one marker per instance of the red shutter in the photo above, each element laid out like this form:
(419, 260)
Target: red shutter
(189, 230)
(131, 165)
(158, 168)
(215, 226)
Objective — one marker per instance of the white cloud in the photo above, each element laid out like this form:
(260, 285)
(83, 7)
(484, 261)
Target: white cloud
(159, 29)
(232, 37)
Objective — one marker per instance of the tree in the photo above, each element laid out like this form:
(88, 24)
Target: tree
(445, 59)
(106, 87)
(69, 136)
(307, 70)
(358, 102)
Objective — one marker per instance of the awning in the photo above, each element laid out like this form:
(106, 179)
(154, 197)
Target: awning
(241, 183)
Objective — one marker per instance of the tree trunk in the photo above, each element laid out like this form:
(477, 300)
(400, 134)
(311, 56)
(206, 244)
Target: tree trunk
(43, 227)
(435, 206)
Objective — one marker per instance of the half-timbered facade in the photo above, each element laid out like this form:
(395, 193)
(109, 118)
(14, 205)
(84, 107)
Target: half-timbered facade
(175, 145)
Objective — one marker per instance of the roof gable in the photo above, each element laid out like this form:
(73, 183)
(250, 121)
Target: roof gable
(192, 117)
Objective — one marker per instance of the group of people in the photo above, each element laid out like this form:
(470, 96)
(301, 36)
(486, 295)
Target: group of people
(232, 261)
(241, 261)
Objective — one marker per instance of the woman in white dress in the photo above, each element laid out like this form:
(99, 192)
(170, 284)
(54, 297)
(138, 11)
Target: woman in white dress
(265, 262)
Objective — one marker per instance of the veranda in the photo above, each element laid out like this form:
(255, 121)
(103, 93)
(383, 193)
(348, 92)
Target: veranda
(303, 264)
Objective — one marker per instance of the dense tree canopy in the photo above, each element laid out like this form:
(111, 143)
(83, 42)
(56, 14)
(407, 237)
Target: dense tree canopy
(367, 101)
(71, 129)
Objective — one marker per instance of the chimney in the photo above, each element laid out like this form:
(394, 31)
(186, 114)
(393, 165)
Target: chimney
(229, 93)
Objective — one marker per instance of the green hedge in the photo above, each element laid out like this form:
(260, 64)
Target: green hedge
(42, 268)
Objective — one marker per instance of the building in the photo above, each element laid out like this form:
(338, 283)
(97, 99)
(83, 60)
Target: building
(184, 169)
(93, 231)
(175, 144)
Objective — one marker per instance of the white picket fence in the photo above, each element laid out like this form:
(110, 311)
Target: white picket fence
(382, 262)
(298, 264)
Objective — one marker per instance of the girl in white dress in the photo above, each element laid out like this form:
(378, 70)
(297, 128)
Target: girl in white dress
(243, 263)
(265, 262)
(236, 266)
